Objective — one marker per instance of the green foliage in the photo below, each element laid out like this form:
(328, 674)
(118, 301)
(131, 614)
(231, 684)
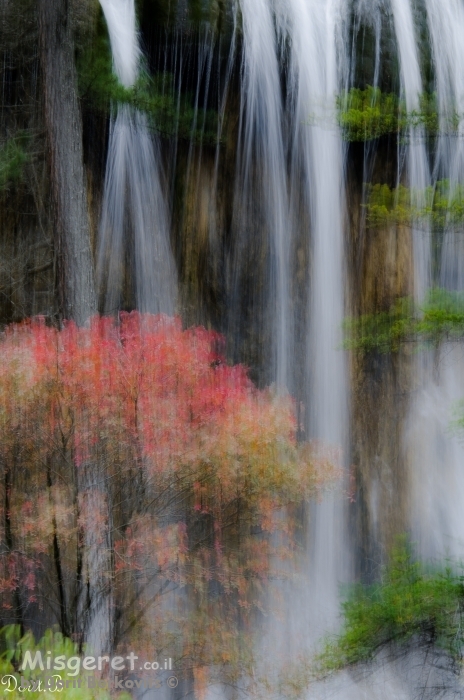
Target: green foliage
(441, 205)
(441, 317)
(446, 205)
(156, 96)
(386, 206)
(383, 332)
(97, 81)
(13, 646)
(13, 158)
(410, 604)
(370, 113)
(428, 115)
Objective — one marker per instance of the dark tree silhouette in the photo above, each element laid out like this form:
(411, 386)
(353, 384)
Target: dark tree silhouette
(65, 153)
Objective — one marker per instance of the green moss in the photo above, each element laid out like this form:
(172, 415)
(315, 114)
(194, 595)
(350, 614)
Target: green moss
(440, 317)
(409, 604)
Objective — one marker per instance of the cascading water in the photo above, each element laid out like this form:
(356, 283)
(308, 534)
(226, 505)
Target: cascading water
(289, 185)
(121, 22)
(133, 207)
(370, 13)
(446, 27)
(261, 190)
(310, 32)
(313, 30)
(418, 170)
(134, 221)
(437, 454)
(365, 13)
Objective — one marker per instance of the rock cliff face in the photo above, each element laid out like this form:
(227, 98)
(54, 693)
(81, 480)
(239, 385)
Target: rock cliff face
(380, 272)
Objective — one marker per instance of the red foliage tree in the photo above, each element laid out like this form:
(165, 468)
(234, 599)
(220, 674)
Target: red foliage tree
(144, 482)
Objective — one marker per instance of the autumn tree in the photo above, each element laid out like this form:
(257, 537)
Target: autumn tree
(144, 482)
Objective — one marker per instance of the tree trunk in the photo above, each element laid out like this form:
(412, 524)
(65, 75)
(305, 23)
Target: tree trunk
(64, 135)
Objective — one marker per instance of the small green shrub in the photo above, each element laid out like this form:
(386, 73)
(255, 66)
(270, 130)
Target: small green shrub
(370, 113)
(409, 605)
(442, 205)
(440, 317)
(383, 332)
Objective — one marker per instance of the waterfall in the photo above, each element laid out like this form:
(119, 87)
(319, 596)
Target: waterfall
(314, 31)
(437, 454)
(289, 187)
(261, 191)
(310, 32)
(122, 29)
(134, 222)
(446, 27)
(134, 226)
(418, 170)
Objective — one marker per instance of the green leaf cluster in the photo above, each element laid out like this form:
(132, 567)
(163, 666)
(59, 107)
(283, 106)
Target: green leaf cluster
(13, 157)
(441, 205)
(440, 317)
(445, 204)
(383, 332)
(369, 114)
(409, 605)
(386, 206)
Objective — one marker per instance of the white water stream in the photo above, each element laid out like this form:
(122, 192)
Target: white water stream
(134, 218)
(313, 29)
(134, 225)
(437, 454)
(261, 168)
(418, 177)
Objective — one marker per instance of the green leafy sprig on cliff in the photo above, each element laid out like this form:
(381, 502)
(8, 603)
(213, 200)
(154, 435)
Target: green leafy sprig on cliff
(440, 317)
(441, 206)
(370, 113)
(409, 604)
